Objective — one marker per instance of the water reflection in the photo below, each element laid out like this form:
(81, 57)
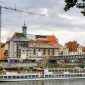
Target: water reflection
(48, 82)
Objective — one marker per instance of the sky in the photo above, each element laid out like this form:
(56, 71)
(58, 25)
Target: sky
(66, 26)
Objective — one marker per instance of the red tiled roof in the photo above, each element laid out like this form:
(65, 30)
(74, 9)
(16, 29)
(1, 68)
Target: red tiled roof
(32, 41)
(72, 46)
(52, 40)
(41, 40)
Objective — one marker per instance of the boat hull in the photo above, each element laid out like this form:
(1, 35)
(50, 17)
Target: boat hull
(15, 80)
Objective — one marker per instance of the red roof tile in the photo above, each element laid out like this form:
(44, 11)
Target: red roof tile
(52, 40)
(32, 41)
(41, 40)
(72, 46)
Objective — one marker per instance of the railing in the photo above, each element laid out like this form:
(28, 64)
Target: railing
(70, 70)
(67, 57)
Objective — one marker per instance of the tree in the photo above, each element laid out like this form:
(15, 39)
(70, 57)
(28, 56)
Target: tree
(71, 3)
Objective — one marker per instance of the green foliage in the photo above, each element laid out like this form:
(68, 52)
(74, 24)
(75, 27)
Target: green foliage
(18, 69)
(26, 69)
(35, 66)
(69, 4)
(23, 69)
(72, 3)
(31, 69)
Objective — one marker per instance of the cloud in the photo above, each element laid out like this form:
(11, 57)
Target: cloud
(68, 17)
(66, 26)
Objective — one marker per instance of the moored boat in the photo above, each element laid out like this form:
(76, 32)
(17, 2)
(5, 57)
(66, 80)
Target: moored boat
(43, 74)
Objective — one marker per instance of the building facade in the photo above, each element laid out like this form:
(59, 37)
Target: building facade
(73, 48)
(23, 45)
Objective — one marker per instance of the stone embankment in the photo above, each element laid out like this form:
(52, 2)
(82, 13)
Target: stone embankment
(17, 65)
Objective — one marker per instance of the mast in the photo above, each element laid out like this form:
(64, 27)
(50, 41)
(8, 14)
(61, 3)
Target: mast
(0, 35)
(0, 23)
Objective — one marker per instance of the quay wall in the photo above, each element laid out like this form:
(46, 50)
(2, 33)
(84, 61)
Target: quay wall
(17, 65)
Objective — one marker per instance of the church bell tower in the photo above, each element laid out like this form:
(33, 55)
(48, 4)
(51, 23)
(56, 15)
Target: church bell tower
(24, 29)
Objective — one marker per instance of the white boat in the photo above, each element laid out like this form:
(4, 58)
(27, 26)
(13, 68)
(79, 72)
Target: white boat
(57, 73)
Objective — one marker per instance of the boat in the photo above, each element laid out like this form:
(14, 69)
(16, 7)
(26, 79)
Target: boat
(44, 74)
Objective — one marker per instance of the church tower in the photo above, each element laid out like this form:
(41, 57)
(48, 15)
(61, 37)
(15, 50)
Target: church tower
(24, 29)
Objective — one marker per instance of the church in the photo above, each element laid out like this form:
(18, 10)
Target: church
(29, 46)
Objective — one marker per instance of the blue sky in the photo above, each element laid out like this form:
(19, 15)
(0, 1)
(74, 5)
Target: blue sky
(66, 26)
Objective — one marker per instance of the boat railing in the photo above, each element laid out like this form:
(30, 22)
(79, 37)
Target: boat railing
(70, 70)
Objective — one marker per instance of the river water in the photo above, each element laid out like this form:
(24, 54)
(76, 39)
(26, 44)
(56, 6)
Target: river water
(48, 82)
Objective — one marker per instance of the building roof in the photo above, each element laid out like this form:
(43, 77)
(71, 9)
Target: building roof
(18, 35)
(32, 41)
(72, 45)
(38, 39)
(41, 40)
(31, 37)
(45, 39)
(41, 36)
(52, 39)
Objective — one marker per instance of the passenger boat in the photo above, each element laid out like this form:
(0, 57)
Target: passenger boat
(44, 74)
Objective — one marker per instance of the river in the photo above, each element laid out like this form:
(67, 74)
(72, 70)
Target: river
(48, 82)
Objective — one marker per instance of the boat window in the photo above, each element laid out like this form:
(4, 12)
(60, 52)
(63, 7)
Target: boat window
(49, 75)
(26, 76)
(66, 75)
(77, 74)
(69, 75)
(80, 74)
(9, 76)
(5, 77)
(54, 76)
(36, 75)
(22, 76)
(72, 75)
(14, 77)
(62, 75)
(46, 76)
(33, 76)
(18, 76)
(1, 76)
(57, 75)
(29, 76)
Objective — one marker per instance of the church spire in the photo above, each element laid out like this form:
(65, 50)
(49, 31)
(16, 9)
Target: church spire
(24, 22)
(24, 29)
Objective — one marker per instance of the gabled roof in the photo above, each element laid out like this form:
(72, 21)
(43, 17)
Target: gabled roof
(18, 35)
(52, 40)
(41, 40)
(72, 45)
(44, 39)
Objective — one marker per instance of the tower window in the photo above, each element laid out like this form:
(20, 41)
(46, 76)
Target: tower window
(53, 52)
(44, 51)
(34, 51)
(48, 51)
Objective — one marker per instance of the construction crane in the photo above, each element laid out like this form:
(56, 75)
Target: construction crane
(14, 9)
